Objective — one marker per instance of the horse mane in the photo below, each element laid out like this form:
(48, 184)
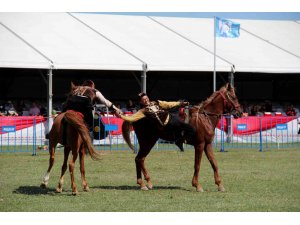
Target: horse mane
(82, 90)
(212, 97)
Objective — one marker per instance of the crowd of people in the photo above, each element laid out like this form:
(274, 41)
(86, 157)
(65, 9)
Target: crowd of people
(267, 108)
(36, 108)
(22, 108)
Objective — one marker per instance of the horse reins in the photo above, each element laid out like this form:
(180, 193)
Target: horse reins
(233, 104)
(218, 115)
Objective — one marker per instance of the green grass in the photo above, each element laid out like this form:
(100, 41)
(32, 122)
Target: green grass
(254, 181)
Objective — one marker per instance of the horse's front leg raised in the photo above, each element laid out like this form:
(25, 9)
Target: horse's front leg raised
(198, 155)
(211, 158)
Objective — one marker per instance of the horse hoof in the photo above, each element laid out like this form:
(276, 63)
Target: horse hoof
(221, 189)
(150, 187)
(44, 186)
(86, 189)
(199, 189)
(58, 190)
(144, 188)
(75, 193)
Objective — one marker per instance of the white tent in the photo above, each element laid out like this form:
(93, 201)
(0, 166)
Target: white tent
(68, 43)
(115, 42)
(141, 43)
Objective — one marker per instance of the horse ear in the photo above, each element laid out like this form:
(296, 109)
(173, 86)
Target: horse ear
(72, 86)
(229, 87)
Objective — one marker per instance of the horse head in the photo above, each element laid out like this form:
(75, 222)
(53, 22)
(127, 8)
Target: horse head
(231, 103)
(86, 91)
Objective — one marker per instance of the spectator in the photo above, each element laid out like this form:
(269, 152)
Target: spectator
(20, 107)
(10, 109)
(43, 111)
(290, 111)
(268, 106)
(130, 107)
(254, 110)
(34, 110)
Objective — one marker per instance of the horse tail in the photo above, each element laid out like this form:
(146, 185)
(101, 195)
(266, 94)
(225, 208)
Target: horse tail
(73, 119)
(126, 127)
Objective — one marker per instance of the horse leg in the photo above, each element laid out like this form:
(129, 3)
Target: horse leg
(146, 174)
(138, 166)
(71, 169)
(145, 148)
(213, 162)
(52, 145)
(63, 169)
(198, 155)
(82, 169)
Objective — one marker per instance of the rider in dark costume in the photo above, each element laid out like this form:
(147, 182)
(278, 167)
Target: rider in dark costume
(158, 111)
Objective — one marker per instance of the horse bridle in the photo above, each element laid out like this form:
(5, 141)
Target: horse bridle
(229, 100)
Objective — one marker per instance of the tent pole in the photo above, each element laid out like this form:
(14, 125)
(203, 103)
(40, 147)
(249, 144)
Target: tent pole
(144, 79)
(230, 119)
(49, 101)
(214, 77)
(231, 75)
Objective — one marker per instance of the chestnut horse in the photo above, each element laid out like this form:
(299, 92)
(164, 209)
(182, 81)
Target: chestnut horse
(70, 130)
(203, 117)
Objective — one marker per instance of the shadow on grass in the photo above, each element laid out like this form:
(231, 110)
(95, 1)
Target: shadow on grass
(126, 187)
(34, 190)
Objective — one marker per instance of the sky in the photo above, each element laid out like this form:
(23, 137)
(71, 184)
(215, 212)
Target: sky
(231, 9)
(231, 15)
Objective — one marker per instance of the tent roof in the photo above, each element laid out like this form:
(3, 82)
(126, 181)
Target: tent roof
(115, 42)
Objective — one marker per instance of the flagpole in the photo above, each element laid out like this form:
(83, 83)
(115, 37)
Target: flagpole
(214, 79)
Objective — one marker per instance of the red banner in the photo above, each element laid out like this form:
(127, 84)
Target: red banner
(255, 123)
(20, 122)
(116, 121)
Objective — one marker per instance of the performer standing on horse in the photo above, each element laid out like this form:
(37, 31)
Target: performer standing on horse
(158, 111)
(79, 101)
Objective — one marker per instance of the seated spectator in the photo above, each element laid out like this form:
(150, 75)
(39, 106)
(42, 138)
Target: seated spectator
(254, 110)
(20, 107)
(131, 107)
(10, 109)
(34, 110)
(268, 106)
(290, 111)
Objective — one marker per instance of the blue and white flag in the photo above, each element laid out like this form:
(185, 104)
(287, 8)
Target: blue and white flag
(227, 28)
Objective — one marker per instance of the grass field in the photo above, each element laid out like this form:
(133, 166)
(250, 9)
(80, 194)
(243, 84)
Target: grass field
(254, 181)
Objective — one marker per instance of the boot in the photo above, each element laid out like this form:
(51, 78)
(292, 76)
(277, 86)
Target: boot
(179, 144)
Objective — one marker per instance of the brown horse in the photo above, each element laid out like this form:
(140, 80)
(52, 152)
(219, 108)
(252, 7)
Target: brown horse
(70, 130)
(203, 117)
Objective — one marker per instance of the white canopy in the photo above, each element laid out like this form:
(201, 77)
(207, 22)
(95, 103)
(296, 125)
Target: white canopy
(115, 42)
